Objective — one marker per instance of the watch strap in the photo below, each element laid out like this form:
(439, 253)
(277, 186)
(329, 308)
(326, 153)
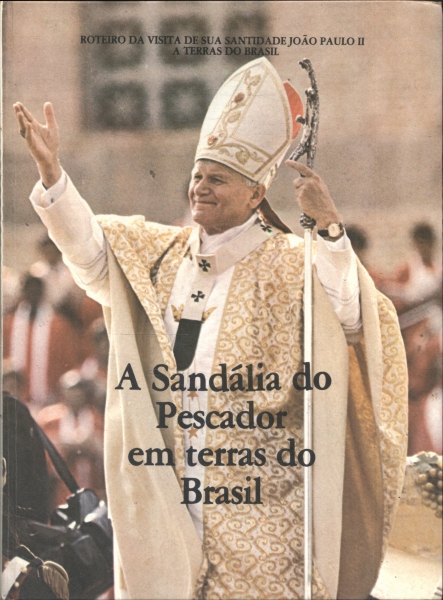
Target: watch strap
(329, 232)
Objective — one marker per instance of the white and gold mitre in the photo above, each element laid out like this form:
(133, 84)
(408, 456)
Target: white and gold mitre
(251, 122)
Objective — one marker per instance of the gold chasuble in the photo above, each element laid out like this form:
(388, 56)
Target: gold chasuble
(360, 423)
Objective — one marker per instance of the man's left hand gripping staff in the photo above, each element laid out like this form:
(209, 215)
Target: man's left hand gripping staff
(313, 196)
(42, 140)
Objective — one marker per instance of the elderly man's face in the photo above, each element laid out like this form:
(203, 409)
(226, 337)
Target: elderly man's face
(219, 197)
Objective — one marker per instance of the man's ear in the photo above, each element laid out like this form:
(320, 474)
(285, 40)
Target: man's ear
(257, 195)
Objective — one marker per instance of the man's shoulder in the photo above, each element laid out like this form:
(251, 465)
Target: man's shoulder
(281, 253)
(284, 242)
(135, 228)
(135, 223)
(131, 237)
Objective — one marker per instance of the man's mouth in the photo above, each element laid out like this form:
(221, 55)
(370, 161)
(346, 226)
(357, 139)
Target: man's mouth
(203, 202)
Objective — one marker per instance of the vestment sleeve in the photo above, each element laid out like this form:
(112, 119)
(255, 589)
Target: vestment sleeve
(336, 266)
(75, 231)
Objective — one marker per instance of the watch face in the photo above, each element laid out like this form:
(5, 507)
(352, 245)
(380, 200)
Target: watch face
(334, 230)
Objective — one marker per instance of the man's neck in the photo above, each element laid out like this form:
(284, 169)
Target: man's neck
(210, 243)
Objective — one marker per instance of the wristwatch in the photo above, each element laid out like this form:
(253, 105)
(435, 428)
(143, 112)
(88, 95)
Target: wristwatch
(333, 231)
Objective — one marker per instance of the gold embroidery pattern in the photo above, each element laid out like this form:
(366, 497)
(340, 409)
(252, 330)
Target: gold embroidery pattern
(393, 413)
(138, 245)
(230, 116)
(252, 550)
(167, 270)
(178, 311)
(256, 551)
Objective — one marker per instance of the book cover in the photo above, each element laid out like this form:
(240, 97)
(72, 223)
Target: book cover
(130, 84)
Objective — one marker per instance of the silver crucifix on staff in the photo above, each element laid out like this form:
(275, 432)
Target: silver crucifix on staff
(308, 146)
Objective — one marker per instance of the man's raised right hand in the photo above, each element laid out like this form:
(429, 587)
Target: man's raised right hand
(42, 140)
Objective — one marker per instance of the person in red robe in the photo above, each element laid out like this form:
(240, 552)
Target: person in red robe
(416, 293)
(40, 344)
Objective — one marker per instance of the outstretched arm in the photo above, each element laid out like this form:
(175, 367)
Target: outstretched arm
(70, 221)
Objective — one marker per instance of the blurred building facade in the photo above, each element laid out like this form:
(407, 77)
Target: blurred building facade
(129, 114)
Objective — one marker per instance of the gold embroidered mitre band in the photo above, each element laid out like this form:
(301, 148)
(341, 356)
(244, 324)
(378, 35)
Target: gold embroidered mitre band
(251, 122)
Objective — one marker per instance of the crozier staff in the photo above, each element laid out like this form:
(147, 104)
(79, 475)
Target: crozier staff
(229, 292)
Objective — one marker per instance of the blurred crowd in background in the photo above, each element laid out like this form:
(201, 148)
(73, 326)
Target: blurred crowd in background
(56, 350)
(414, 287)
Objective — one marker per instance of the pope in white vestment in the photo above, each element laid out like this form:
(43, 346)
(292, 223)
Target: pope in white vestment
(244, 288)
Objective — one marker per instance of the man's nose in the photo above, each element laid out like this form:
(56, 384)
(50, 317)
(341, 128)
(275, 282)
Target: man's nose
(201, 187)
